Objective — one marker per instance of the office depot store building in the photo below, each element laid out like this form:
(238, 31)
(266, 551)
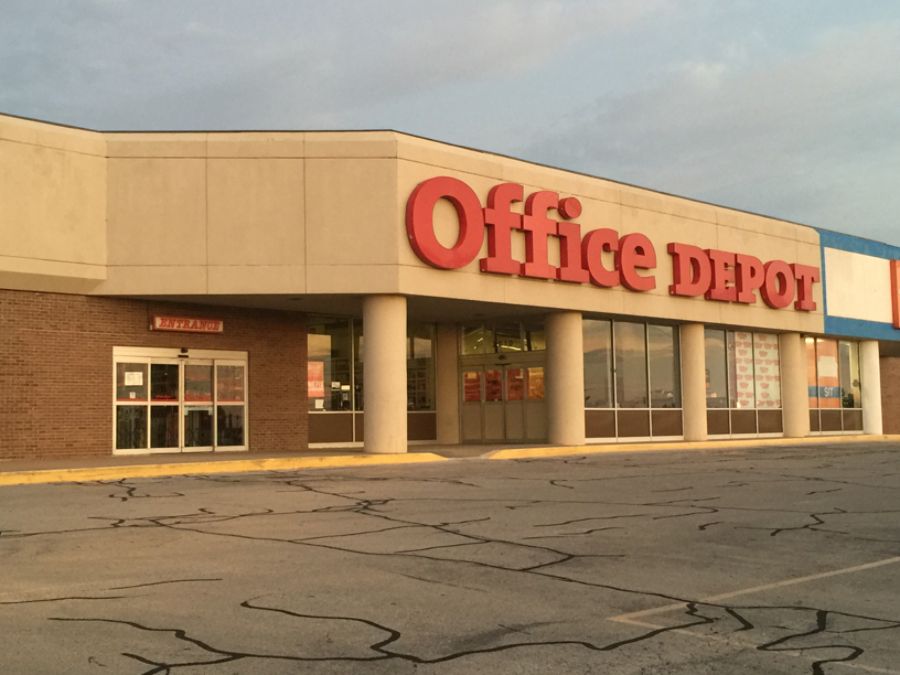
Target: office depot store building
(283, 291)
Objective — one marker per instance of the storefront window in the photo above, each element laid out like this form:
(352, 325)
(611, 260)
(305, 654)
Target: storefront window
(230, 425)
(835, 396)
(665, 378)
(515, 384)
(164, 382)
(131, 381)
(766, 370)
(631, 365)
(811, 385)
(198, 383)
(131, 427)
(509, 338)
(420, 366)
(336, 370)
(358, 390)
(536, 342)
(164, 426)
(740, 369)
(849, 375)
(716, 377)
(477, 340)
(827, 374)
(329, 360)
(743, 375)
(230, 405)
(536, 383)
(504, 338)
(597, 363)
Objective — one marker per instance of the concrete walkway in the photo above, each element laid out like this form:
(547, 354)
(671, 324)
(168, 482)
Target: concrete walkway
(116, 467)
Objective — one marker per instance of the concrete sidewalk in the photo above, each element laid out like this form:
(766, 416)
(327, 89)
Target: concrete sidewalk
(117, 467)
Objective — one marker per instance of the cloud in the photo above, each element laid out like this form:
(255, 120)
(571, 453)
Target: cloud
(814, 137)
(226, 64)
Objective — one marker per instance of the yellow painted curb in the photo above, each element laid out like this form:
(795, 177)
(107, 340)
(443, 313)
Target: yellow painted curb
(70, 475)
(676, 446)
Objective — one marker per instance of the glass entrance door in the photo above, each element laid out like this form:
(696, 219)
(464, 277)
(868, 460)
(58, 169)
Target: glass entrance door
(170, 404)
(198, 406)
(165, 395)
(503, 403)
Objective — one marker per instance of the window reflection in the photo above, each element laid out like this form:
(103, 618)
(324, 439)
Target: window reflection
(716, 379)
(597, 363)
(329, 362)
(631, 365)
(665, 377)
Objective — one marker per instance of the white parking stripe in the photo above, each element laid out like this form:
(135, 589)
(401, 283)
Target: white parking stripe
(758, 589)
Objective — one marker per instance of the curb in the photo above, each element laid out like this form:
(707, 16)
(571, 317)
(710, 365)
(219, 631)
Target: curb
(78, 474)
(678, 446)
(71, 475)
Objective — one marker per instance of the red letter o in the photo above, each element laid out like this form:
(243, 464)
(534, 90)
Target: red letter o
(420, 222)
(778, 289)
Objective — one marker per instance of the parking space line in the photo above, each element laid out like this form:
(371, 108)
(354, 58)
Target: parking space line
(759, 589)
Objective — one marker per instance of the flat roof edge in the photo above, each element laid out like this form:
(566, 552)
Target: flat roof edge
(823, 232)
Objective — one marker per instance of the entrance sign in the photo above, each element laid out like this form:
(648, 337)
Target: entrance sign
(721, 276)
(186, 324)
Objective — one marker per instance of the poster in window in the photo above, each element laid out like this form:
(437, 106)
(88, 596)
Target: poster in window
(767, 371)
(743, 369)
(472, 386)
(315, 379)
(829, 389)
(134, 378)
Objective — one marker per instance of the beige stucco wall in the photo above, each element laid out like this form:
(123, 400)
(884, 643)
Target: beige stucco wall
(252, 213)
(292, 213)
(52, 207)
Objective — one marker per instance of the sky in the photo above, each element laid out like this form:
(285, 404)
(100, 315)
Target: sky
(789, 108)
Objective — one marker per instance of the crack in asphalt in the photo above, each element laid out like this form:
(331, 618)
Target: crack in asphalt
(817, 638)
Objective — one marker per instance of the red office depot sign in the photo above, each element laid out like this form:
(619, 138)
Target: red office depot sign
(716, 275)
(187, 324)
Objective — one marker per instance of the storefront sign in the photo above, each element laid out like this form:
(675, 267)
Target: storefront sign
(601, 257)
(895, 291)
(186, 324)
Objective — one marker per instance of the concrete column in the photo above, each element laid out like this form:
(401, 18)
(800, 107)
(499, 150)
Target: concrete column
(693, 381)
(794, 385)
(446, 369)
(384, 373)
(870, 381)
(564, 378)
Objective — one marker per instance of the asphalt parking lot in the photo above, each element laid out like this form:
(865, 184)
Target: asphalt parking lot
(775, 560)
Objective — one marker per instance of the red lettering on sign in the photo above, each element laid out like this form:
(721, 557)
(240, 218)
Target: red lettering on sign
(500, 221)
(570, 265)
(636, 253)
(601, 257)
(806, 276)
(537, 228)
(691, 270)
(751, 275)
(722, 287)
(187, 324)
(594, 245)
(420, 222)
(779, 287)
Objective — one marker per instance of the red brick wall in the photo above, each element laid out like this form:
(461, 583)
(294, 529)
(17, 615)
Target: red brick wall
(56, 369)
(890, 393)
